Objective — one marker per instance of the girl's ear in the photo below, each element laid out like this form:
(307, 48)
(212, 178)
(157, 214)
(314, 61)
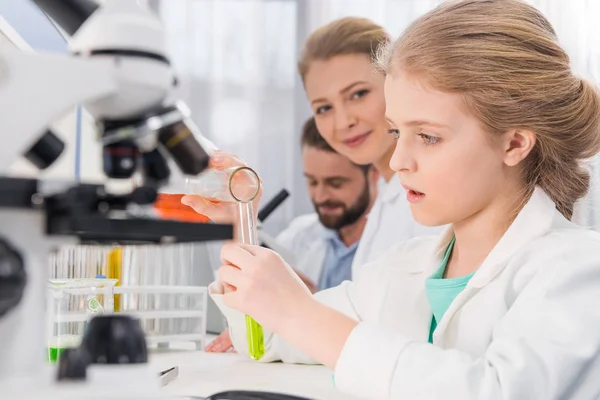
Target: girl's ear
(517, 146)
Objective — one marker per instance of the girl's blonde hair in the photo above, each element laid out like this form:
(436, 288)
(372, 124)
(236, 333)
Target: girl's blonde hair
(349, 35)
(503, 57)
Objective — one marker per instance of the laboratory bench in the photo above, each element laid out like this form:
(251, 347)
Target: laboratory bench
(203, 374)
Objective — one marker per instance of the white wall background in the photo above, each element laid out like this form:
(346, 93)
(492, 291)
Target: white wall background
(237, 59)
(236, 63)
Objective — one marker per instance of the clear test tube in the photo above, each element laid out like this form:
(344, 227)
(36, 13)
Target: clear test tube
(183, 276)
(173, 266)
(247, 234)
(238, 185)
(164, 254)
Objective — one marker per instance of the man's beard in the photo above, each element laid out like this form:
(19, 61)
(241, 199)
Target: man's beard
(349, 214)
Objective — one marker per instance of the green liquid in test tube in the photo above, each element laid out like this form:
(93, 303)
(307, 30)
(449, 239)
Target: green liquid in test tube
(238, 185)
(255, 337)
(247, 234)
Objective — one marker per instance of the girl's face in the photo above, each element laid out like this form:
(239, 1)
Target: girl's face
(346, 97)
(451, 168)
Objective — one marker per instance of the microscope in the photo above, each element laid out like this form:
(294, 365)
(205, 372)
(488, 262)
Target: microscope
(119, 72)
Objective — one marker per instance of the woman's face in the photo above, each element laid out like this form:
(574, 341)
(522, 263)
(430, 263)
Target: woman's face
(346, 96)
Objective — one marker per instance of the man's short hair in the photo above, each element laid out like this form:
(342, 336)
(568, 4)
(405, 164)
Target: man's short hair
(312, 138)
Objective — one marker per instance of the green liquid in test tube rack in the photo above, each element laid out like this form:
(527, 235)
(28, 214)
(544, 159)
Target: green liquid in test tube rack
(239, 185)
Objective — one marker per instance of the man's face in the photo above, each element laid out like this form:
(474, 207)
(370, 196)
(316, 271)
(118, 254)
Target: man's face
(338, 189)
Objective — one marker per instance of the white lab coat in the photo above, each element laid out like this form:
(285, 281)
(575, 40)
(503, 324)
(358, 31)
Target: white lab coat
(388, 223)
(527, 325)
(304, 238)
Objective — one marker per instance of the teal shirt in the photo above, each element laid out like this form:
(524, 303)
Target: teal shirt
(442, 292)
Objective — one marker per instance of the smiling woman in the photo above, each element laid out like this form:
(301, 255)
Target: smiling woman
(346, 96)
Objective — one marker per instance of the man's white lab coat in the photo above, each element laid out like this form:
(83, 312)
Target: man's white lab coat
(304, 239)
(527, 325)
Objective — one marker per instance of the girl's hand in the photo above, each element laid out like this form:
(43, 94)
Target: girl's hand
(263, 285)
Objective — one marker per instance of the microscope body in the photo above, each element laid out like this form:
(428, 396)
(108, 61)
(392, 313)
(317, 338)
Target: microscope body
(120, 73)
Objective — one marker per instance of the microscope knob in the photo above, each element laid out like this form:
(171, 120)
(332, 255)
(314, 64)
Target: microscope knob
(144, 195)
(115, 339)
(46, 150)
(120, 159)
(12, 278)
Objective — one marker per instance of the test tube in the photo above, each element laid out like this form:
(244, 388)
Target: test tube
(238, 185)
(173, 266)
(247, 234)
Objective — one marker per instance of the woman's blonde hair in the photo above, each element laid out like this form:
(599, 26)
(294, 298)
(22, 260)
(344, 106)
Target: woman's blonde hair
(503, 57)
(349, 35)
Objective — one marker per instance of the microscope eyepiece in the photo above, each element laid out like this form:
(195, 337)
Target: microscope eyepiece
(160, 133)
(155, 167)
(120, 159)
(178, 140)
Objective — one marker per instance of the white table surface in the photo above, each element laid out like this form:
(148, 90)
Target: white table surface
(203, 374)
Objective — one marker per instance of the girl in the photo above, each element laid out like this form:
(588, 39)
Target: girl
(490, 127)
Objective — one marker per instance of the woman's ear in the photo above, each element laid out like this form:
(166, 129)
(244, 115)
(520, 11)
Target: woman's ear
(517, 146)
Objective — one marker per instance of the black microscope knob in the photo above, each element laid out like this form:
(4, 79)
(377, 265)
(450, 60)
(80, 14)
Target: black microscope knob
(120, 159)
(115, 339)
(12, 278)
(46, 150)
